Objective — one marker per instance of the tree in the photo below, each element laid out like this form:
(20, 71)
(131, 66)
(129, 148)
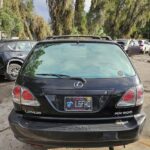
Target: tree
(123, 16)
(61, 13)
(10, 23)
(80, 17)
(96, 17)
(39, 28)
(145, 31)
(17, 17)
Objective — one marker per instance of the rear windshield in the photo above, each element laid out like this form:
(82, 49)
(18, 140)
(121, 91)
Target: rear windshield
(88, 60)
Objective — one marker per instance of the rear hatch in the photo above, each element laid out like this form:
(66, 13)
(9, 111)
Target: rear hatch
(94, 78)
(105, 94)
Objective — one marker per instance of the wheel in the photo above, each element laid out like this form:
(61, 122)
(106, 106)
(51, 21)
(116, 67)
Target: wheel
(12, 71)
(149, 52)
(145, 51)
(111, 148)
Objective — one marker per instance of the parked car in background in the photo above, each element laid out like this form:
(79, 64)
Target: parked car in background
(149, 53)
(144, 46)
(12, 56)
(131, 46)
(78, 92)
(123, 43)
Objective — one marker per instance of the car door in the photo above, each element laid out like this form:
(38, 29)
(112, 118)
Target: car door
(133, 48)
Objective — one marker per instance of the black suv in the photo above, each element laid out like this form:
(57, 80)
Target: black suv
(12, 56)
(77, 92)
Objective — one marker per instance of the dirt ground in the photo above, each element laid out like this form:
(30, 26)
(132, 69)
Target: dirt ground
(8, 142)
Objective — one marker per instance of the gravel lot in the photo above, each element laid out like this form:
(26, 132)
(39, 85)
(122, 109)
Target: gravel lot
(8, 142)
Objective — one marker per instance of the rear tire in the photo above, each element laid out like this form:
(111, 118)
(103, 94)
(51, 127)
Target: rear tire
(12, 71)
(111, 148)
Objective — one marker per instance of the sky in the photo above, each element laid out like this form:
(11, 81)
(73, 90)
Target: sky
(40, 8)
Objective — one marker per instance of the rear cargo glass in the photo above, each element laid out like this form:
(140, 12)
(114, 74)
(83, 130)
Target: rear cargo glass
(88, 60)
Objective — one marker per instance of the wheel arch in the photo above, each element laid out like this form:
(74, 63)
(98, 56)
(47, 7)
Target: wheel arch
(15, 61)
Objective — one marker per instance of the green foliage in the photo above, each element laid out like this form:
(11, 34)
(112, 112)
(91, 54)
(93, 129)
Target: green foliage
(123, 17)
(10, 23)
(116, 18)
(7, 22)
(145, 31)
(80, 20)
(61, 12)
(40, 29)
(17, 17)
(96, 16)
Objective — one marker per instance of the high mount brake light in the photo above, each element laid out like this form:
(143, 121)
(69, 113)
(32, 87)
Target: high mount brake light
(23, 96)
(133, 97)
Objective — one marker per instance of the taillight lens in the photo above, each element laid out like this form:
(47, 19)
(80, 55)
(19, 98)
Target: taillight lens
(16, 93)
(23, 96)
(26, 95)
(133, 97)
(128, 99)
(140, 95)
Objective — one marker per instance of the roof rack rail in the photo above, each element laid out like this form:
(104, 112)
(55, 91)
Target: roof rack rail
(106, 38)
(79, 36)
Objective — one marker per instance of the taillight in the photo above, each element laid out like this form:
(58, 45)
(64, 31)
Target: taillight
(140, 95)
(23, 96)
(16, 93)
(133, 97)
(26, 95)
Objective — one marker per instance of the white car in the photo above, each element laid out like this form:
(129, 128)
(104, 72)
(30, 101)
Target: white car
(130, 46)
(144, 46)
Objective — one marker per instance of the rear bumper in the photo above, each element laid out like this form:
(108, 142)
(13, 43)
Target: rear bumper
(74, 134)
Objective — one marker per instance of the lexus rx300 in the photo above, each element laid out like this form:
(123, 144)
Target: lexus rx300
(77, 92)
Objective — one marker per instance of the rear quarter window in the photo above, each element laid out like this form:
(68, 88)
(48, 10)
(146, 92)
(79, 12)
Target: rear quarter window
(8, 46)
(23, 46)
(88, 60)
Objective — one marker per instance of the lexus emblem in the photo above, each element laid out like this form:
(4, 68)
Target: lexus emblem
(78, 84)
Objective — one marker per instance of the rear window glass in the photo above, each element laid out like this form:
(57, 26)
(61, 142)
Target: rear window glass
(8, 46)
(88, 60)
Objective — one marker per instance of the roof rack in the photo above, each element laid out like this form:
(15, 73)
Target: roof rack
(79, 36)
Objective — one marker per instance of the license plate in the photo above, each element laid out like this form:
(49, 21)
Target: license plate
(78, 104)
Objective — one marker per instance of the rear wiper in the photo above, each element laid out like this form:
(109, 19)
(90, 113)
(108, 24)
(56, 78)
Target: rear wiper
(62, 76)
(55, 75)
